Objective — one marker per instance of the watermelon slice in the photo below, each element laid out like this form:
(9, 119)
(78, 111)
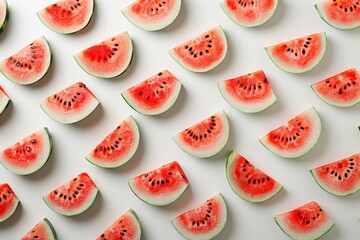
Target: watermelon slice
(340, 178)
(8, 202)
(248, 182)
(154, 95)
(205, 138)
(107, 59)
(299, 55)
(44, 230)
(249, 13)
(28, 65)
(341, 90)
(74, 197)
(152, 15)
(127, 227)
(341, 14)
(118, 147)
(306, 222)
(250, 93)
(4, 100)
(295, 138)
(28, 155)
(71, 104)
(67, 16)
(4, 15)
(204, 222)
(161, 186)
(202, 53)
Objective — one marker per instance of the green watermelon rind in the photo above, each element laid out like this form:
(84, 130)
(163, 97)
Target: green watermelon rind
(37, 167)
(232, 18)
(51, 228)
(152, 28)
(315, 64)
(111, 76)
(6, 105)
(270, 196)
(6, 19)
(68, 33)
(325, 19)
(13, 210)
(129, 157)
(139, 225)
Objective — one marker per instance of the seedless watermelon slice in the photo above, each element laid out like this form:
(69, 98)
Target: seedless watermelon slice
(299, 55)
(28, 155)
(118, 147)
(107, 59)
(74, 197)
(28, 65)
(295, 138)
(4, 100)
(8, 203)
(249, 13)
(340, 178)
(203, 222)
(205, 138)
(341, 14)
(71, 104)
(341, 90)
(161, 186)
(152, 15)
(127, 227)
(250, 93)
(202, 53)
(4, 15)
(248, 182)
(154, 95)
(309, 221)
(44, 230)
(67, 16)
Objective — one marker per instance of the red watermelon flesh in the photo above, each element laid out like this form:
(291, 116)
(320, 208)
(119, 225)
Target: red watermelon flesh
(107, 59)
(127, 227)
(249, 13)
(249, 93)
(297, 137)
(341, 14)
(8, 202)
(203, 52)
(4, 100)
(154, 95)
(204, 222)
(152, 15)
(118, 147)
(299, 55)
(341, 90)
(161, 186)
(309, 221)
(67, 16)
(28, 65)
(41, 231)
(74, 197)
(248, 182)
(71, 104)
(341, 177)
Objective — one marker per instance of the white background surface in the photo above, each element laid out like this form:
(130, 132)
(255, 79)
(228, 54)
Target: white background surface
(199, 99)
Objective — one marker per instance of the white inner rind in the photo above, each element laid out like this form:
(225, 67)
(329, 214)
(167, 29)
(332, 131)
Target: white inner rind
(254, 107)
(42, 156)
(11, 211)
(4, 102)
(57, 27)
(124, 159)
(231, 15)
(212, 232)
(290, 69)
(313, 138)
(3, 7)
(223, 39)
(147, 24)
(208, 151)
(320, 10)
